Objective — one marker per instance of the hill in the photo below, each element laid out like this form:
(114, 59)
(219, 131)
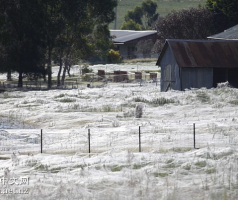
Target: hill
(164, 7)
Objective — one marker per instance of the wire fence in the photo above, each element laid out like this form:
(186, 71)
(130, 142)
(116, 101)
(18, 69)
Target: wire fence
(134, 139)
(89, 80)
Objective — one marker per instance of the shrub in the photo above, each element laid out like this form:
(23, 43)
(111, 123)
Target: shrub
(114, 56)
(67, 100)
(203, 97)
(161, 101)
(139, 111)
(85, 69)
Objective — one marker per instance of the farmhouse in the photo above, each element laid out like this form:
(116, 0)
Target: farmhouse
(187, 64)
(126, 41)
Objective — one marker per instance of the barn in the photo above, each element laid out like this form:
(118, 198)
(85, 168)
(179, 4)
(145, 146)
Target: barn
(187, 64)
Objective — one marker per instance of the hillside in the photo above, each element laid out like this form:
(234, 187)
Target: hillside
(164, 7)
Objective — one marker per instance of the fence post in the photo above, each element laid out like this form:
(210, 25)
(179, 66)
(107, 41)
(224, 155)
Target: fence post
(41, 141)
(139, 141)
(89, 150)
(194, 139)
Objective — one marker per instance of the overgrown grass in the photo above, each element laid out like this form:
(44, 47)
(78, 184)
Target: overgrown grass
(10, 95)
(67, 100)
(202, 96)
(156, 101)
(160, 174)
(201, 163)
(116, 168)
(234, 102)
(107, 108)
(60, 96)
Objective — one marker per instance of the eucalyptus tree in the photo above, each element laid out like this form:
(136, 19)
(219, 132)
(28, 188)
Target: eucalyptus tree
(227, 8)
(142, 17)
(68, 26)
(149, 13)
(22, 46)
(31, 31)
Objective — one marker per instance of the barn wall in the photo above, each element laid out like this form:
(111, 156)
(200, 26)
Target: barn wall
(196, 77)
(169, 72)
(123, 50)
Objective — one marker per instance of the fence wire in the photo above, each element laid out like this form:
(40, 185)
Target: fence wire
(153, 138)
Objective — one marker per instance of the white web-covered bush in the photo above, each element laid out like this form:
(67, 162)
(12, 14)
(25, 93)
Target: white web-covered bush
(139, 111)
(222, 85)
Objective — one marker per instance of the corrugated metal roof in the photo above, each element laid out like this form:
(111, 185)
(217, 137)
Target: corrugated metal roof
(203, 53)
(122, 36)
(229, 34)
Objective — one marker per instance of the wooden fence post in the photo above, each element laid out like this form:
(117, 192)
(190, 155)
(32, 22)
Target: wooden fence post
(139, 140)
(89, 147)
(41, 141)
(194, 139)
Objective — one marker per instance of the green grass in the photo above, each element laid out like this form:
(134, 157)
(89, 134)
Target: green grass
(116, 168)
(162, 174)
(164, 7)
(201, 164)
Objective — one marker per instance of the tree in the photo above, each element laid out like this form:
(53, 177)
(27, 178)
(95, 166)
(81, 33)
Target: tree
(142, 17)
(20, 38)
(75, 21)
(102, 42)
(192, 23)
(34, 31)
(134, 15)
(149, 12)
(144, 47)
(130, 25)
(228, 8)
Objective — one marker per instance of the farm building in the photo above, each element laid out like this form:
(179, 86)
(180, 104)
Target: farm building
(229, 34)
(187, 64)
(126, 41)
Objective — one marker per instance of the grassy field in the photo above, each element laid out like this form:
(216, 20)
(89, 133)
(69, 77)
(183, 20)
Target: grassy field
(164, 7)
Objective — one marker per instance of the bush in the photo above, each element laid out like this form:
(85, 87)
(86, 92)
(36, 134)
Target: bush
(85, 69)
(114, 56)
(139, 111)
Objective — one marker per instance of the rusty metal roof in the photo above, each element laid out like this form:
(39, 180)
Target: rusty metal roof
(203, 53)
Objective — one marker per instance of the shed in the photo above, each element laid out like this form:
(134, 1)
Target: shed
(187, 64)
(228, 34)
(126, 41)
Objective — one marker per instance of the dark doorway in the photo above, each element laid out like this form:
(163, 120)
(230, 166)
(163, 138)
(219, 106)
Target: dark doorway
(219, 76)
(233, 77)
(225, 74)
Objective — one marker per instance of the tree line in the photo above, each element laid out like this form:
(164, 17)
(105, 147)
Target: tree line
(34, 33)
